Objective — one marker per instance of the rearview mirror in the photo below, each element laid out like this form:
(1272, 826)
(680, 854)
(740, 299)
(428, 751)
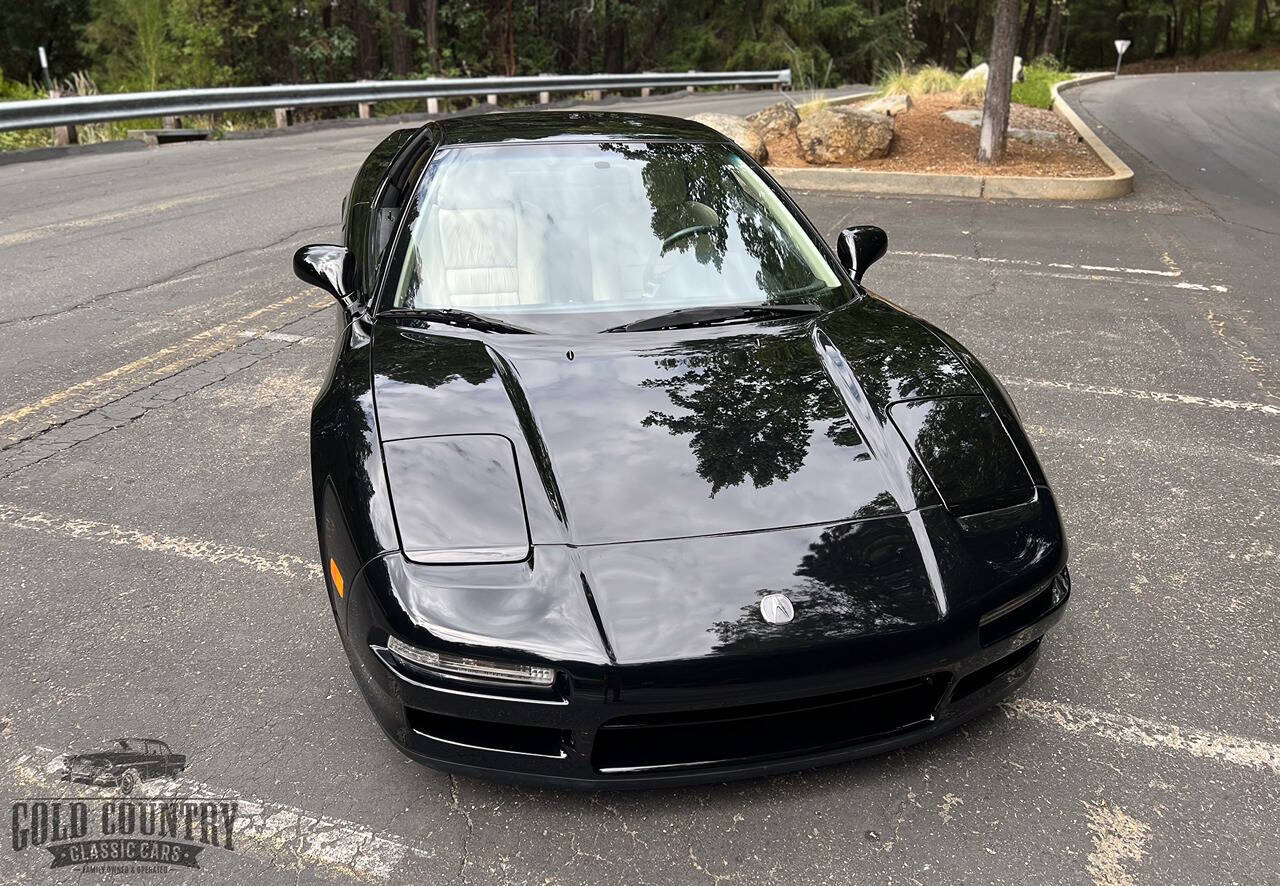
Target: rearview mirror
(860, 247)
(329, 268)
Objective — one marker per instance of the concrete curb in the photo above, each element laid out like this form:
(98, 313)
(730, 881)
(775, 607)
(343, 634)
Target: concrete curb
(863, 181)
(32, 155)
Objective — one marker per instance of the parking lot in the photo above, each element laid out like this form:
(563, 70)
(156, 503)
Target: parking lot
(163, 580)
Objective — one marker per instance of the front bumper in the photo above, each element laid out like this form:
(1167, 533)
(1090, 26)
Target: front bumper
(670, 723)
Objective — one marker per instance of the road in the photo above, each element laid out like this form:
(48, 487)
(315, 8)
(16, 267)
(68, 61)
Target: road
(159, 550)
(1218, 136)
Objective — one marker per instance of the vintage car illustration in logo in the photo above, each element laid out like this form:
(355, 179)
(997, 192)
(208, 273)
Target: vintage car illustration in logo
(128, 763)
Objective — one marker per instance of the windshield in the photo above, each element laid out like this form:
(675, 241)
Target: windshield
(615, 227)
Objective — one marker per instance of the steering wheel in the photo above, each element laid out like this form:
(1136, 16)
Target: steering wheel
(686, 232)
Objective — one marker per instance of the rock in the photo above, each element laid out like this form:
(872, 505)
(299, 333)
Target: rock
(980, 72)
(967, 116)
(893, 105)
(741, 130)
(973, 117)
(1037, 136)
(777, 121)
(844, 135)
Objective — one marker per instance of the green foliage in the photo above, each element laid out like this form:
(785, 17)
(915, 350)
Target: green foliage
(11, 91)
(163, 44)
(54, 24)
(1034, 90)
(131, 37)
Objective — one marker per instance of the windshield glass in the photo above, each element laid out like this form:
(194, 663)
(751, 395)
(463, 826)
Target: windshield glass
(594, 228)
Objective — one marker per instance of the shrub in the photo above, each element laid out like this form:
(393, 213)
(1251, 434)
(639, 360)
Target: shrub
(925, 81)
(972, 91)
(932, 79)
(12, 91)
(1035, 89)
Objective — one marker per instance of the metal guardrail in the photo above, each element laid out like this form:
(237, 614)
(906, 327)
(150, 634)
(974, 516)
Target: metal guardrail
(131, 105)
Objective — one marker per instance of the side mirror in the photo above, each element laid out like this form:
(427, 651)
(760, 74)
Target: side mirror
(329, 268)
(860, 247)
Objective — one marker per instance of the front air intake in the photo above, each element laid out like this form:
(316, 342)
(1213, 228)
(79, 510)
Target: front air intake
(762, 731)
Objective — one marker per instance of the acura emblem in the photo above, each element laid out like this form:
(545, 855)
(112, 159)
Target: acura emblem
(777, 609)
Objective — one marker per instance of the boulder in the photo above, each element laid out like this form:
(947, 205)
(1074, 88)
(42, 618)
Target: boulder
(741, 130)
(778, 121)
(980, 72)
(973, 117)
(893, 105)
(844, 135)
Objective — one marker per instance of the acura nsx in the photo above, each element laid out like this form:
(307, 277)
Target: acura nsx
(622, 478)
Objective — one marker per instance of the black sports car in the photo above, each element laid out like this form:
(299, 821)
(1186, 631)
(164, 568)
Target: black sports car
(622, 478)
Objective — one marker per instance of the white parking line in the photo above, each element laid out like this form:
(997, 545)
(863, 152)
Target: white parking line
(1082, 272)
(1155, 396)
(1026, 262)
(1128, 443)
(271, 335)
(266, 828)
(285, 565)
(1218, 746)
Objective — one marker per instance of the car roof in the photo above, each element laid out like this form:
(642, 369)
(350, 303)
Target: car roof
(530, 126)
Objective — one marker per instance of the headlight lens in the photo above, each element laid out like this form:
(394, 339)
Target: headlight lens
(472, 668)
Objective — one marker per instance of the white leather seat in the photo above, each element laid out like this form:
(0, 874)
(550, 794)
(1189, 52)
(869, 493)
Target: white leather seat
(482, 249)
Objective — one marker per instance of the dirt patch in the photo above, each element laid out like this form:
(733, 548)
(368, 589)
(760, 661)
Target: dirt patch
(926, 141)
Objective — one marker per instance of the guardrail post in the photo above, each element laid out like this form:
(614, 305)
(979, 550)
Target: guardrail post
(284, 118)
(492, 98)
(171, 122)
(594, 95)
(364, 109)
(645, 90)
(63, 135)
(433, 105)
(689, 88)
(544, 97)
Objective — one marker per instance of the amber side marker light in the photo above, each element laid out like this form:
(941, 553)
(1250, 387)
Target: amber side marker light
(336, 575)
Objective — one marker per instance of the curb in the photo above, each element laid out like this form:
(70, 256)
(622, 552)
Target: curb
(862, 181)
(48, 152)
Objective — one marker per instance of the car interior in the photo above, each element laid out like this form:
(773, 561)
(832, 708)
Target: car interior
(504, 229)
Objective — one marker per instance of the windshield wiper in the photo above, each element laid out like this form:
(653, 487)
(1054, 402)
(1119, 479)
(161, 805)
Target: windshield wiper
(456, 317)
(687, 318)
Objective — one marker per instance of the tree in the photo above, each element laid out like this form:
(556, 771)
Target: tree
(1026, 43)
(995, 106)
(1053, 27)
(431, 26)
(1261, 19)
(1222, 23)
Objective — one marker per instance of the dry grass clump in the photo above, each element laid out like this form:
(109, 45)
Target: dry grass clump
(972, 91)
(928, 80)
(812, 106)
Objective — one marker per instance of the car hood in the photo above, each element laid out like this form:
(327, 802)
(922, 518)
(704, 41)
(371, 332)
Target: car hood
(658, 435)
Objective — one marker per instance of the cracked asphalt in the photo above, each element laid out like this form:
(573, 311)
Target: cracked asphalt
(160, 559)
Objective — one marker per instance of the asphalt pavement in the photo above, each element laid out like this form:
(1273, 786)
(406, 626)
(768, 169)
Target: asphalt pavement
(160, 558)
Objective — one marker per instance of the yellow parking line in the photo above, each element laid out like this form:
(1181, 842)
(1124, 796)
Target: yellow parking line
(101, 389)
